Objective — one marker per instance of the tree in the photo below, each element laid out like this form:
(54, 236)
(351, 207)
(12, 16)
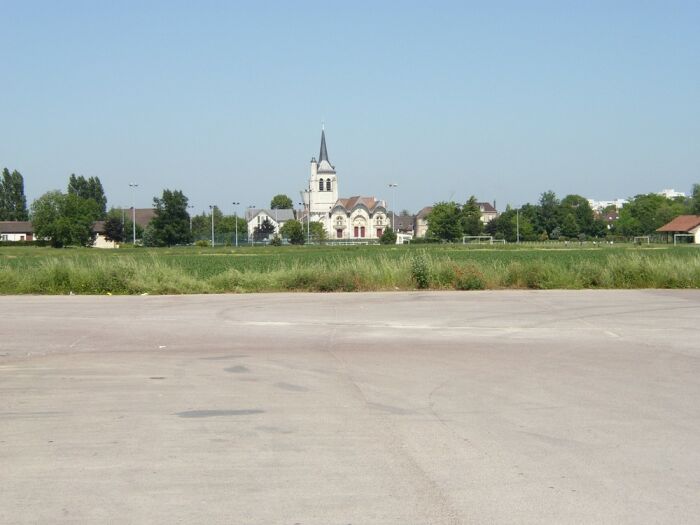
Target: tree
(293, 231)
(695, 200)
(114, 229)
(470, 219)
(264, 230)
(317, 231)
(643, 214)
(444, 222)
(171, 224)
(548, 216)
(388, 237)
(64, 219)
(13, 203)
(281, 202)
(89, 189)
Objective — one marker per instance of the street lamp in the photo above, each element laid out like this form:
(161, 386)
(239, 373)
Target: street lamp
(250, 237)
(393, 187)
(517, 226)
(307, 199)
(211, 207)
(133, 187)
(190, 207)
(235, 218)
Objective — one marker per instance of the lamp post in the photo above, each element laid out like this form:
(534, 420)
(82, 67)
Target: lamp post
(211, 207)
(250, 237)
(190, 207)
(393, 187)
(308, 216)
(133, 187)
(235, 219)
(517, 226)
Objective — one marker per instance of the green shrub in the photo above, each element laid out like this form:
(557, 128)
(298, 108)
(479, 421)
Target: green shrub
(420, 271)
(469, 278)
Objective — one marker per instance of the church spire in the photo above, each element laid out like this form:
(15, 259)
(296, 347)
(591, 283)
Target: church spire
(323, 154)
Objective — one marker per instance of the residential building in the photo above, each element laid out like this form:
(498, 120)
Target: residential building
(671, 193)
(686, 225)
(421, 227)
(256, 216)
(16, 231)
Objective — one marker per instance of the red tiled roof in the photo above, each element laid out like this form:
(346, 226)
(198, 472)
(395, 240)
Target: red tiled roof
(369, 202)
(682, 223)
(487, 207)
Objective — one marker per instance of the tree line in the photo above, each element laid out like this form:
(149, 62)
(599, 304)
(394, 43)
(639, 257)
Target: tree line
(559, 219)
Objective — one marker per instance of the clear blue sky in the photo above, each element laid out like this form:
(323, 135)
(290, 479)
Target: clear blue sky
(224, 100)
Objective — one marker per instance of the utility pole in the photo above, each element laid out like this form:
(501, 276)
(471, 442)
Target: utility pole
(235, 219)
(211, 207)
(517, 226)
(393, 187)
(133, 187)
(191, 208)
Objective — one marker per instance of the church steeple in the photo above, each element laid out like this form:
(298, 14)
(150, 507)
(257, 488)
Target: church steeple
(324, 165)
(323, 154)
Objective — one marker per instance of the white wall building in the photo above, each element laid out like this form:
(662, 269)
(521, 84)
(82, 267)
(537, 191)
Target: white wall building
(601, 205)
(671, 193)
(354, 218)
(256, 216)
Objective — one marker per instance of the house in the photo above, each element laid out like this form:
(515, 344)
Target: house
(404, 224)
(101, 241)
(421, 227)
(688, 226)
(488, 211)
(256, 216)
(16, 231)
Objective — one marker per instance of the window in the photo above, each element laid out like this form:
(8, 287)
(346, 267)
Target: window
(357, 231)
(362, 231)
(328, 184)
(339, 233)
(320, 184)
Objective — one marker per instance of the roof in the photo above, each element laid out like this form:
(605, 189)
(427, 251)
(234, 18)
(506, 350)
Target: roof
(424, 212)
(279, 215)
(16, 227)
(353, 202)
(403, 223)
(324, 164)
(487, 207)
(682, 223)
(143, 215)
(98, 226)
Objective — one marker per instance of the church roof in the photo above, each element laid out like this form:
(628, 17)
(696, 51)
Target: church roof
(353, 202)
(324, 165)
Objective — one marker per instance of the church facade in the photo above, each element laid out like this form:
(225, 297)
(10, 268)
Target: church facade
(353, 218)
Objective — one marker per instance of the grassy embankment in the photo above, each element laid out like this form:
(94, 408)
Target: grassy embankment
(30, 270)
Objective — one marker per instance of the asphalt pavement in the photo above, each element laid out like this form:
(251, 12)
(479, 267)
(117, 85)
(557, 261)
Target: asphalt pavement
(363, 408)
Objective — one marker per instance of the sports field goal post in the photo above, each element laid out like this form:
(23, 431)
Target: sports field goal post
(641, 239)
(676, 235)
(477, 239)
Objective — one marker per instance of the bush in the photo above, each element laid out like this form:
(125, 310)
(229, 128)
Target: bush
(388, 237)
(469, 278)
(202, 243)
(420, 271)
(276, 241)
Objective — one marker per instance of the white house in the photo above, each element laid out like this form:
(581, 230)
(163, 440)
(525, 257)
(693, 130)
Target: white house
(16, 231)
(256, 216)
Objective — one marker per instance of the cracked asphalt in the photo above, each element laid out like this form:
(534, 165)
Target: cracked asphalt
(381, 408)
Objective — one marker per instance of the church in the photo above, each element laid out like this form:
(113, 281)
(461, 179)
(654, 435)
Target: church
(353, 218)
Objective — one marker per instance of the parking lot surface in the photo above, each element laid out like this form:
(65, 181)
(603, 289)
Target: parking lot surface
(396, 408)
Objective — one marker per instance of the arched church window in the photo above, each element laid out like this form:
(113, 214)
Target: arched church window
(320, 185)
(328, 184)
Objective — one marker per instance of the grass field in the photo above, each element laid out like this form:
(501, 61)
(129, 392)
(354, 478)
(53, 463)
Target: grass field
(33, 270)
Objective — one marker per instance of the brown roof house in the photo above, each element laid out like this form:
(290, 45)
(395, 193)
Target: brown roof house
(16, 231)
(682, 227)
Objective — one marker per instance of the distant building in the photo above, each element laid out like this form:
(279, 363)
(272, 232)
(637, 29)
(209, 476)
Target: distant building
(16, 231)
(602, 205)
(403, 223)
(101, 240)
(421, 227)
(351, 218)
(256, 216)
(683, 224)
(488, 211)
(671, 193)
